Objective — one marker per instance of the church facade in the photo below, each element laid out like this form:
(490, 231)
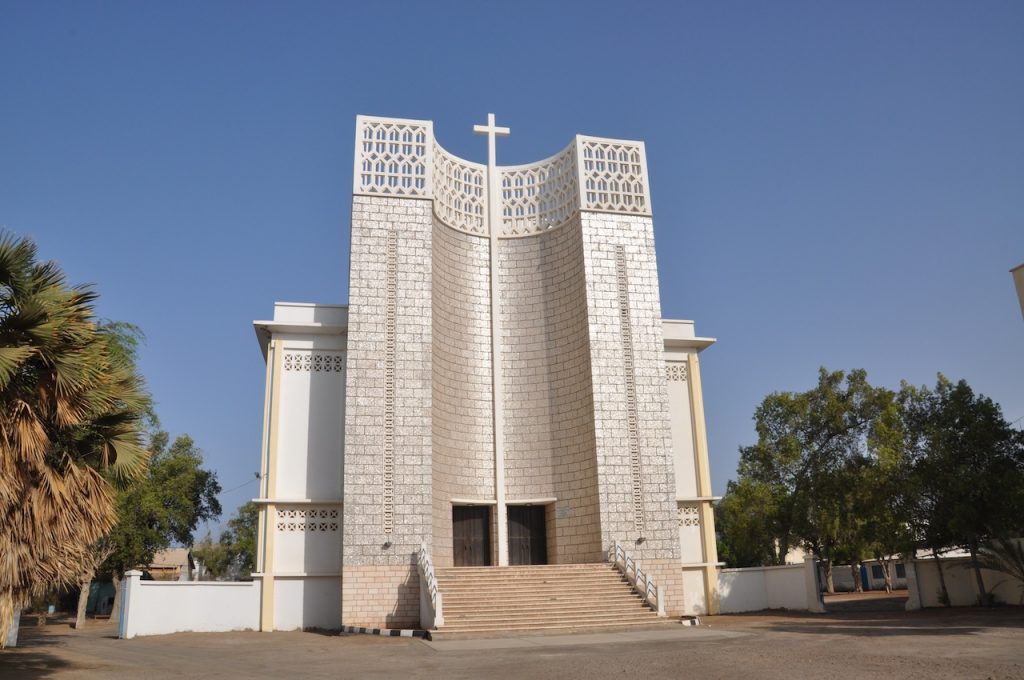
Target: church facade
(501, 388)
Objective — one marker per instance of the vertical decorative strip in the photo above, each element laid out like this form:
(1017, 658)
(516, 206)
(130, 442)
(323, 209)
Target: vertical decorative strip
(626, 330)
(391, 286)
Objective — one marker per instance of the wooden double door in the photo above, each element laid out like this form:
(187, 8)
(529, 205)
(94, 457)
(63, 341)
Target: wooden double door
(471, 534)
(527, 535)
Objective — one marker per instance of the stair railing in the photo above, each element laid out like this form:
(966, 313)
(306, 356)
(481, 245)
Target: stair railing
(431, 609)
(652, 594)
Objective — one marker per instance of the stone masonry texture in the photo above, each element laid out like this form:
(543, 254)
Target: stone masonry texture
(549, 423)
(364, 543)
(572, 299)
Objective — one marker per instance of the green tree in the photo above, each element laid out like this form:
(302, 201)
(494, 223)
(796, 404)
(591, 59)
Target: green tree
(745, 521)
(71, 412)
(967, 469)
(160, 509)
(806, 443)
(234, 555)
(886, 530)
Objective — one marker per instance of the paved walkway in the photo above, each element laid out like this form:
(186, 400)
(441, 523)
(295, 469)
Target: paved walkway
(934, 644)
(669, 635)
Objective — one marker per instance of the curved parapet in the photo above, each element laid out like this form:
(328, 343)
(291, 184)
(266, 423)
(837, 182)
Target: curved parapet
(460, 192)
(539, 196)
(400, 158)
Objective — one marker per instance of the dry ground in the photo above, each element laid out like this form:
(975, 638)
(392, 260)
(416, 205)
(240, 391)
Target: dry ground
(934, 644)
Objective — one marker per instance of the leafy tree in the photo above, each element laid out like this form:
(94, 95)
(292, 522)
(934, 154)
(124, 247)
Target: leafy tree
(214, 557)
(71, 410)
(234, 554)
(807, 442)
(240, 537)
(886, 530)
(163, 509)
(745, 523)
(887, 494)
(967, 469)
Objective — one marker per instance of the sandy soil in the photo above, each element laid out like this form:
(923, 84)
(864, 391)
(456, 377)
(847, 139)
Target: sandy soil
(934, 644)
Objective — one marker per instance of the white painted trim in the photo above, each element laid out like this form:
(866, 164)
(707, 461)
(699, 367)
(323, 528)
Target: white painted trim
(689, 343)
(296, 574)
(179, 584)
(310, 328)
(494, 222)
(285, 303)
(778, 566)
(701, 565)
(510, 501)
(298, 501)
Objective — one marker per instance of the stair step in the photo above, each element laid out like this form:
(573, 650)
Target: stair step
(539, 578)
(548, 606)
(501, 572)
(536, 601)
(494, 600)
(512, 588)
(453, 632)
(544, 621)
(544, 617)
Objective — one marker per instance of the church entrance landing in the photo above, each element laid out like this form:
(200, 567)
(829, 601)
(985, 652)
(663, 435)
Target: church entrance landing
(471, 534)
(527, 535)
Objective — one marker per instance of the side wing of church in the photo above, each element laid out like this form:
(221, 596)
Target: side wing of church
(500, 390)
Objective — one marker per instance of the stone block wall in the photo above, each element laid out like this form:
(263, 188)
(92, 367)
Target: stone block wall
(387, 455)
(549, 425)
(381, 596)
(463, 445)
(631, 417)
(668, 574)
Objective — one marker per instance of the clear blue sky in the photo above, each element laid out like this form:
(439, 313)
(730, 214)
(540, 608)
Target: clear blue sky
(832, 185)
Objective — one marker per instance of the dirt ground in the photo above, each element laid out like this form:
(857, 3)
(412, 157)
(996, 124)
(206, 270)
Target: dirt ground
(883, 642)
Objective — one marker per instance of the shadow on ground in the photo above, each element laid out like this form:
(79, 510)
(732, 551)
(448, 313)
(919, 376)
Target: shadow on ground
(866, 602)
(893, 622)
(30, 659)
(31, 665)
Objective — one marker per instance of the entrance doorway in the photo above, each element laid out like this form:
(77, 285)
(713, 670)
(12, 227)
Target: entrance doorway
(471, 534)
(527, 535)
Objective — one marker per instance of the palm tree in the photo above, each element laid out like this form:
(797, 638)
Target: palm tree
(1007, 557)
(71, 411)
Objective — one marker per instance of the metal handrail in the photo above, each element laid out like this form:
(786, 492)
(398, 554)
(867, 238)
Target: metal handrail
(427, 578)
(643, 584)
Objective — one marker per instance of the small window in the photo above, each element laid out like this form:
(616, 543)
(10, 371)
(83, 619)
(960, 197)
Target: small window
(901, 571)
(876, 571)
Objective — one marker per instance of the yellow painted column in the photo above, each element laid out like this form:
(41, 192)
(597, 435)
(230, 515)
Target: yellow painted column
(269, 513)
(707, 514)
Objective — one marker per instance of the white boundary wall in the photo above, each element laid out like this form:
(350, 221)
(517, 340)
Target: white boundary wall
(925, 588)
(756, 588)
(161, 607)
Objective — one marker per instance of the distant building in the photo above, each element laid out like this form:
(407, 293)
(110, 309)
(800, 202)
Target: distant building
(173, 564)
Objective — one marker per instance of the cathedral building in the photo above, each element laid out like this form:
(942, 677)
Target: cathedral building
(500, 390)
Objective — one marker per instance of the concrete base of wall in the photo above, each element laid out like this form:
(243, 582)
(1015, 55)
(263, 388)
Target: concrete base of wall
(380, 596)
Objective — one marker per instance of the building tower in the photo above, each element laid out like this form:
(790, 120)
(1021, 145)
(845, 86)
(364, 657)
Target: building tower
(501, 387)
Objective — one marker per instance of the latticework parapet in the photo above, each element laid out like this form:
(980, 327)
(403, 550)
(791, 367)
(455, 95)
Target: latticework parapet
(401, 158)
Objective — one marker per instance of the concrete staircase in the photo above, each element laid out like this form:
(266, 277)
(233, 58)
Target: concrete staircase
(483, 601)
